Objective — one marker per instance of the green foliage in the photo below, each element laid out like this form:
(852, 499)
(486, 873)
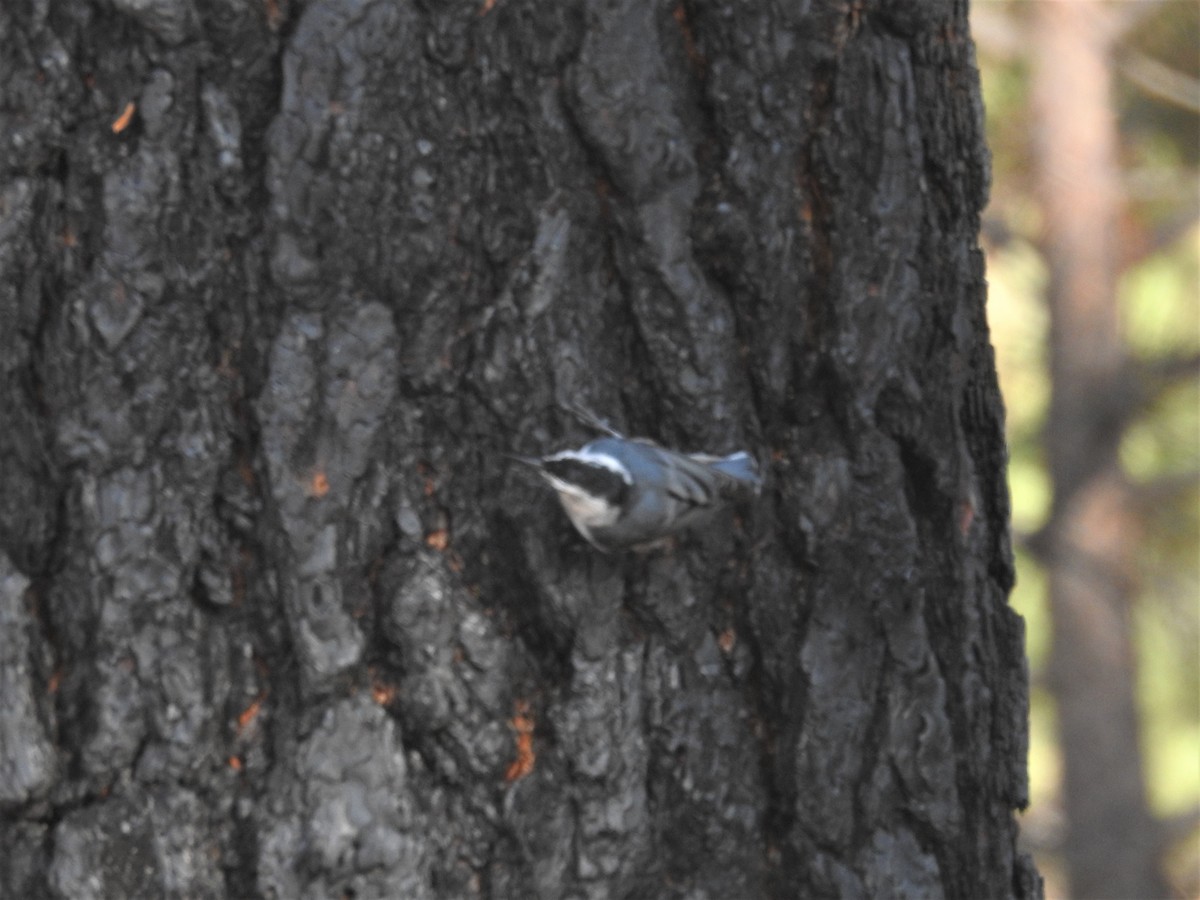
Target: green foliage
(1161, 447)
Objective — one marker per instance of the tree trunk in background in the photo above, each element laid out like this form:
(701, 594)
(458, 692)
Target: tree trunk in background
(279, 619)
(1112, 842)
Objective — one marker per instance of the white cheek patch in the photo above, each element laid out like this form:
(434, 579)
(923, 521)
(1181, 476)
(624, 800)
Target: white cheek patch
(585, 510)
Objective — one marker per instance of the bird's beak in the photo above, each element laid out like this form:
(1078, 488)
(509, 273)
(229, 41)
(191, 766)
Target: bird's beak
(532, 461)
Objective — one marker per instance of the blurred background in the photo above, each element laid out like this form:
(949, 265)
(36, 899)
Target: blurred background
(1092, 236)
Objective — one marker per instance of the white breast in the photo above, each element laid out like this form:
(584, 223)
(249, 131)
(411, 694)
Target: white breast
(586, 512)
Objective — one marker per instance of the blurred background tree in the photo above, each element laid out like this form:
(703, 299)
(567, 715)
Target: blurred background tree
(1092, 237)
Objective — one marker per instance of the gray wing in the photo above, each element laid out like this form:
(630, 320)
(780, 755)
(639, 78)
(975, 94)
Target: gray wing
(688, 481)
(692, 488)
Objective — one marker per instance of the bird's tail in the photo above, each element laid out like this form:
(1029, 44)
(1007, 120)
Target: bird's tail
(742, 467)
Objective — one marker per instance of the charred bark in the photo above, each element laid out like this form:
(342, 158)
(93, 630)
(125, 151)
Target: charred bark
(281, 285)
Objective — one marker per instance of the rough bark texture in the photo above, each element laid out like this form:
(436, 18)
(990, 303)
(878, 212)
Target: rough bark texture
(278, 617)
(1112, 841)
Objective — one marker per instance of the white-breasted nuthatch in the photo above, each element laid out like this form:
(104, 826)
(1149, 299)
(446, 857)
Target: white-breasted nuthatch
(625, 493)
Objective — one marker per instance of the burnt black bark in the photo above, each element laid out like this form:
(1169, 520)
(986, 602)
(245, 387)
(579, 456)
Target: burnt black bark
(283, 282)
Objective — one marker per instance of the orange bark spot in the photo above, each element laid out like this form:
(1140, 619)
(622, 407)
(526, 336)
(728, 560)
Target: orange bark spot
(123, 120)
(382, 692)
(235, 763)
(56, 678)
(522, 724)
(237, 576)
(487, 7)
(319, 485)
(250, 713)
(726, 640)
(438, 540)
(966, 515)
(695, 57)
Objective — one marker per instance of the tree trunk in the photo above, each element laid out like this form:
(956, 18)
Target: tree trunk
(1112, 841)
(282, 285)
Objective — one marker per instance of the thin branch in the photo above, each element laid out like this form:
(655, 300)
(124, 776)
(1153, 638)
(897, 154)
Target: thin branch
(1156, 376)
(1174, 368)
(1160, 80)
(1161, 237)
(1176, 828)
(1151, 495)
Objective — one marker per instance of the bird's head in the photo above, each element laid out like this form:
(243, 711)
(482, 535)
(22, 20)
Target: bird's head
(592, 486)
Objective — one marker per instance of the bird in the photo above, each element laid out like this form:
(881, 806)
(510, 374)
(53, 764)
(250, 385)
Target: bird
(629, 493)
